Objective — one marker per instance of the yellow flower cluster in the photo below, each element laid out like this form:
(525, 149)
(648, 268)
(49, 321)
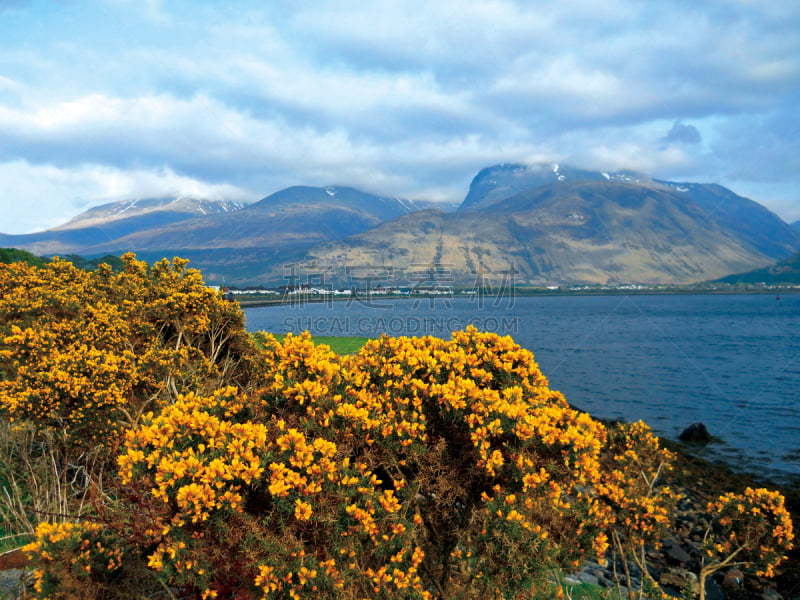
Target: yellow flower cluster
(84, 353)
(636, 501)
(68, 555)
(417, 467)
(197, 458)
(372, 456)
(202, 460)
(755, 525)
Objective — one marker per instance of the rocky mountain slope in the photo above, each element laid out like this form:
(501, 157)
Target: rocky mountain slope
(293, 218)
(289, 219)
(499, 182)
(110, 222)
(164, 208)
(748, 220)
(557, 225)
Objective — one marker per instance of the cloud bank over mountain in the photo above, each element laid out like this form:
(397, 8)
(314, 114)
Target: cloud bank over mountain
(112, 99)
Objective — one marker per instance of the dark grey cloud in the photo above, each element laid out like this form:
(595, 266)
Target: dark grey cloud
(681, 133)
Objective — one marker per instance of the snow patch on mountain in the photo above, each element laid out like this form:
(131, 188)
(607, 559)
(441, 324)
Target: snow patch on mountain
(406, 205)
(124, 209)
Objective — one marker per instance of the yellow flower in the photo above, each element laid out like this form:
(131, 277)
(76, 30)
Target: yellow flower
(302, 510)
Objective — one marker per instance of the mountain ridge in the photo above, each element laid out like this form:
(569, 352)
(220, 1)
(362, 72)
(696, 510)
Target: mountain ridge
(498, 182)
(554, 224)
(112, 221)
(295, 217)
(124, 209)
(742, 215)
(596, 231)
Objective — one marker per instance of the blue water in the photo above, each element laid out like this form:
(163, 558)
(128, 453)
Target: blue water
(729, 361)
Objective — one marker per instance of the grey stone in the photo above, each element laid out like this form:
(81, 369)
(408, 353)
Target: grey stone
(713, 591)
(679, 579)
(674, 550)
(588, 578)
(770, 594)
(696, 433)
(598, 572)
(11, 583)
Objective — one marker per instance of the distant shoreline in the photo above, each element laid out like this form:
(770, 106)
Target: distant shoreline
(297, 300)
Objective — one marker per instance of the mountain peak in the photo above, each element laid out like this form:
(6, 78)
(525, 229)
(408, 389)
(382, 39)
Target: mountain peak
(126, 209)
(496, 183)
(380, 207)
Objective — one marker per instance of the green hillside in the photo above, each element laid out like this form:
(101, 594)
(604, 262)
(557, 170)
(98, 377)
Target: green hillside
(785, 272)
(12, 255)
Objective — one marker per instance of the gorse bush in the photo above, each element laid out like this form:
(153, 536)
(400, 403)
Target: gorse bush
(752, 529)
(415, 468)
(85, 353)
(97, 561)
(642, 509)
(82, 356)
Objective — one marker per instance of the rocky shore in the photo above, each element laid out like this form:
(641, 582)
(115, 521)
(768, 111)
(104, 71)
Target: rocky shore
(676, 563)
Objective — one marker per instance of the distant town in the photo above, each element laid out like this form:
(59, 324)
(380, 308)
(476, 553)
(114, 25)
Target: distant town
(260, 295)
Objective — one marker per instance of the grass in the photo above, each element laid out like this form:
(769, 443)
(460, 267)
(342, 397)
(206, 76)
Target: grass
(340, 345)
(587, 591)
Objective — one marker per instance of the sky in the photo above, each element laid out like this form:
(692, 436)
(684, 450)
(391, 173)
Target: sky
(106, 100)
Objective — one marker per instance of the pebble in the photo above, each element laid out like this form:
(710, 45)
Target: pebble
(10, 584)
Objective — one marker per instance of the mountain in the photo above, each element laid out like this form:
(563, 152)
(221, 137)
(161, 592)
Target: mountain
(447, 207)
(166, 209)
(499, 182)
(229, 239)
(760, 229)
(571, 226)
(346, 198)
(541, 224)
(752, 222)
(110, 222)
(784, 272)
(796, 225)
(294, 217)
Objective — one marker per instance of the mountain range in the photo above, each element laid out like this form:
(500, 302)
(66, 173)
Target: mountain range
(108, 224)
(559, 225)
(541, 224)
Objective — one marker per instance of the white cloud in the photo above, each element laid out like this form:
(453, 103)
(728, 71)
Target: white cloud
(408, 99)
(7, 83)
(37, 197)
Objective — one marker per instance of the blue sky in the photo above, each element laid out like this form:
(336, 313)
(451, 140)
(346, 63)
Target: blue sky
(104, 100)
